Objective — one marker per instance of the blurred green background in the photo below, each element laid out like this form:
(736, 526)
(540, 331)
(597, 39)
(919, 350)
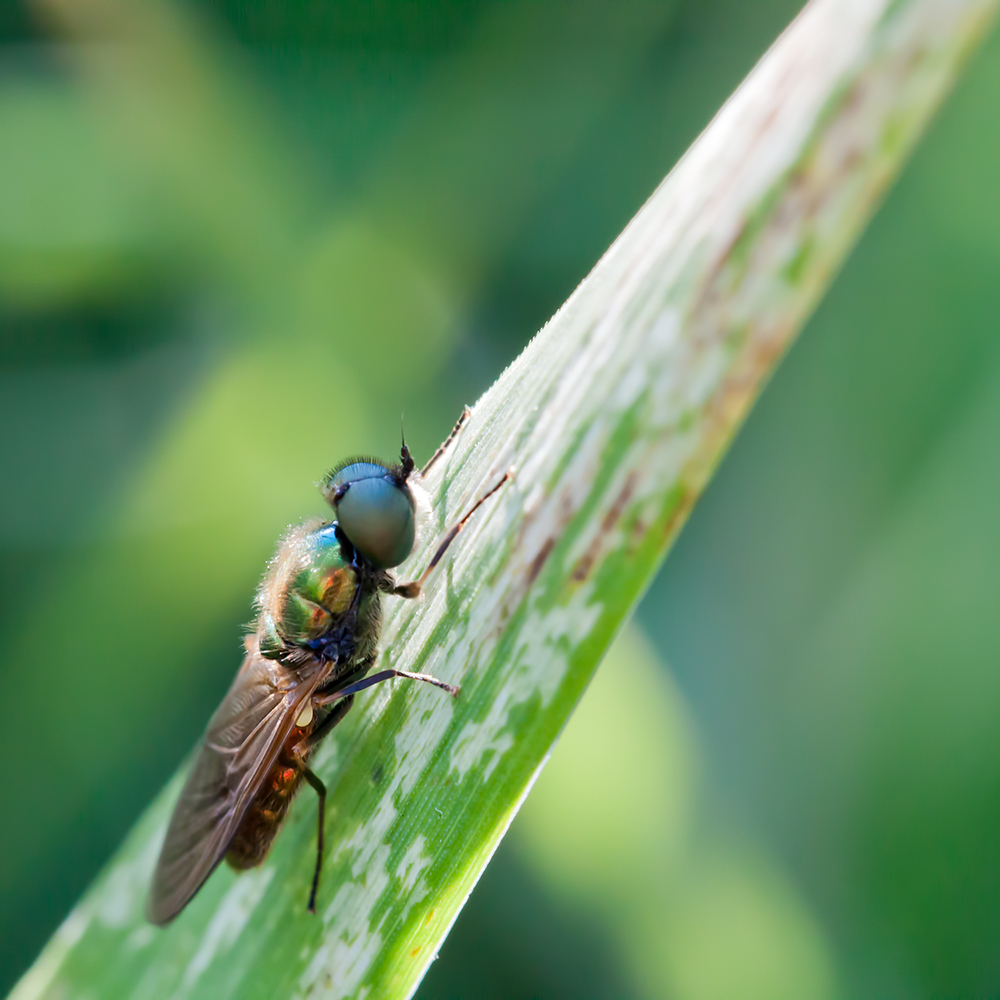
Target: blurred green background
(239, 237)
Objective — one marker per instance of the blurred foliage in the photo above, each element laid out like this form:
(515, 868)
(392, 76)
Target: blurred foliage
(618, 828)
(237, 240)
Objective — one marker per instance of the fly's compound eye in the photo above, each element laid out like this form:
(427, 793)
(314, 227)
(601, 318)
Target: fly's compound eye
(375, 511)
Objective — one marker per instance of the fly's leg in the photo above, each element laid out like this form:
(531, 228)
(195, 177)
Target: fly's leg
(414, 587)
(342, 700)
(320, 789)
(448, 441)
(366, 682)
(309, 744)
(300, 753)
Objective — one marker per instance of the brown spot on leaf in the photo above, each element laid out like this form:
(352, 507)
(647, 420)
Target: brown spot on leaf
(585, 563)
(616, 510)
(539, 561)
(612, 516)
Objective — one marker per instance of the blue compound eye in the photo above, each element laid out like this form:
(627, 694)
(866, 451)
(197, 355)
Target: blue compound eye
(377, 517)
(374, 511)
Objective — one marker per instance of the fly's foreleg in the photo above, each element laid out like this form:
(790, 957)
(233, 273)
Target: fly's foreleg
(448, 441)
(414, 587)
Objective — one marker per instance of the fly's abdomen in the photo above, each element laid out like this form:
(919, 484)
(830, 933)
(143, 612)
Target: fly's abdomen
(263, 818)
(255, 833)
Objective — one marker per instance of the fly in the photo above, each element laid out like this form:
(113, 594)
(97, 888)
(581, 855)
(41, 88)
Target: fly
(314, 641)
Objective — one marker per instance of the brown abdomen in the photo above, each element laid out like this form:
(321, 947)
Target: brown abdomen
(263, 818)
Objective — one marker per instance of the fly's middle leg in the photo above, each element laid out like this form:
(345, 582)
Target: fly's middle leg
(383, 675)
(303, 749)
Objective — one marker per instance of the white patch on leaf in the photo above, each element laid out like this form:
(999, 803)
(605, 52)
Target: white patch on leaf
(543, 639)
(228, 921)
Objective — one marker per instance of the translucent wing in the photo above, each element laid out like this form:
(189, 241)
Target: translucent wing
(243, 740)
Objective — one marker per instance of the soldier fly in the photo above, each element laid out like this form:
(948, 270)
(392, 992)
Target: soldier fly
(313, 643)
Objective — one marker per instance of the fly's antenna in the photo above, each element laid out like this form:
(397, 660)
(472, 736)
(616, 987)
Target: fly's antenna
(406, 462)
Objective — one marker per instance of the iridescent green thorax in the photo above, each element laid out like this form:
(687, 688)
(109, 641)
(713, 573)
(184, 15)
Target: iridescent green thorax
(311, 593)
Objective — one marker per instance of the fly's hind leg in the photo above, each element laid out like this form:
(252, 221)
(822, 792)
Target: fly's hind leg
(449, 440)
(341, 698)
(320, 789)
(300, 754)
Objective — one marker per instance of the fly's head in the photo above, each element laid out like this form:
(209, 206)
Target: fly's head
(377, 507)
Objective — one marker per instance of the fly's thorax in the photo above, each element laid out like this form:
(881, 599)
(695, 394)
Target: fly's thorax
(326, 575)
(293, 550)
(321, 591)
(316, 593)
(269, 639)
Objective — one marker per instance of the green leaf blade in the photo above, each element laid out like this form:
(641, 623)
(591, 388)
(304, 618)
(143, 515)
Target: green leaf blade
(611, 422)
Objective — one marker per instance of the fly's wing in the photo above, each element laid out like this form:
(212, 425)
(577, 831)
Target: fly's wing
(243, 740)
